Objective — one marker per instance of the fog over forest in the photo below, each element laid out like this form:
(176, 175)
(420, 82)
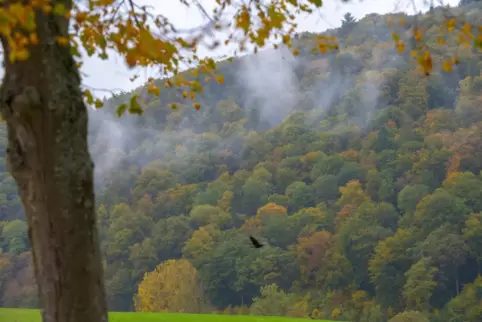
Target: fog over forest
(361, 175)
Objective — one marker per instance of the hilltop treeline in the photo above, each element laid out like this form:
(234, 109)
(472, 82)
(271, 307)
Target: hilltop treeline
(361, 175)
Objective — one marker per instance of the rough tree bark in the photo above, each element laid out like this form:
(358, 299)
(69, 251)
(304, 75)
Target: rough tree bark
(47, 154)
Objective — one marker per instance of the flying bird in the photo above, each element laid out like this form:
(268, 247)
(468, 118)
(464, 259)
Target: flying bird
(255, 242)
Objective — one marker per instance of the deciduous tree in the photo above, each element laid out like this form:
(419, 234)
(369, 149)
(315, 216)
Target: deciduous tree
(43, 105)
(174, 286)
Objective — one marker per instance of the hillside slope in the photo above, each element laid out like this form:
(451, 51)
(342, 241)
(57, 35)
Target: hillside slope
(362, 175)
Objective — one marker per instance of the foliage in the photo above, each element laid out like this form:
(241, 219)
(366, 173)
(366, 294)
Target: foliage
(144, 38)
(367, 194)
(172, 287)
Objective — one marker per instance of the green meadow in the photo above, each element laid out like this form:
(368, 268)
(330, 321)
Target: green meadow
(26, 315)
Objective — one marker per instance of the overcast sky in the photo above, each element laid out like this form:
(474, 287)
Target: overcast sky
(113, 74)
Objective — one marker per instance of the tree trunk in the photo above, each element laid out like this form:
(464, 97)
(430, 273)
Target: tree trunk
(48, 156)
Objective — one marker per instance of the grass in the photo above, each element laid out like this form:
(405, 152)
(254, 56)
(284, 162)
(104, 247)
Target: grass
(26, 315)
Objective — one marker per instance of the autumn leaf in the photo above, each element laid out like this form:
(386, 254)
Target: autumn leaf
(121, 109)
(478, 42)
(243, 20)
(98, 103)
(63, 41)
(417, 35)
(88, 95)
(220, 79)
(154, 90)
(134, 107)
(395, 37)
(451, 24)
(59, 9)
(447, 66)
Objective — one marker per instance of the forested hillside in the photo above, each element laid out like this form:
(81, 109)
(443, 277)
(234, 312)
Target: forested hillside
(361, 175)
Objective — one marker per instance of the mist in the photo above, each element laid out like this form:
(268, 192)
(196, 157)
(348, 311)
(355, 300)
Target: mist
(269, 83)
(274, 83)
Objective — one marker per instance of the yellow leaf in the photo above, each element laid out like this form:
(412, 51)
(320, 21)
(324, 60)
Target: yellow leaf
(441, 40)
(418, 35)
(447, 66)
(197, 106)
(47, 9)
(62, 41)
(400, 47)
(243, 20)
(33, 38)
(89, 97)
(106, 2)
(467, 29)
(5, 29)
(220, 79)
(286, 39)
(425, 62)
(451, 24)
(296, 52)
(131, 58)
(322, 48)
(80, 17)
(154, 90)
(21, 54)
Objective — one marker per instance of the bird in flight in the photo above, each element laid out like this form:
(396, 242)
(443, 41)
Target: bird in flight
(255, 242)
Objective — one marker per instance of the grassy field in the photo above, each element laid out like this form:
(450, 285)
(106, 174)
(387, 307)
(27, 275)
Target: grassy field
(23, 315)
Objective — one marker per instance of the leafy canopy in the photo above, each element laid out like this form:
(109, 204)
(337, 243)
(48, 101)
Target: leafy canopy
(146, 39)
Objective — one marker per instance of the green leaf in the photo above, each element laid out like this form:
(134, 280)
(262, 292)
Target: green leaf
(89, 97)
(395, 37)
(30, 24)
(103, 56)
(59, 9)
(317, 3)
(74, 51)
(121, 109)
(134, 107)
(98, 103)
(478, 43)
